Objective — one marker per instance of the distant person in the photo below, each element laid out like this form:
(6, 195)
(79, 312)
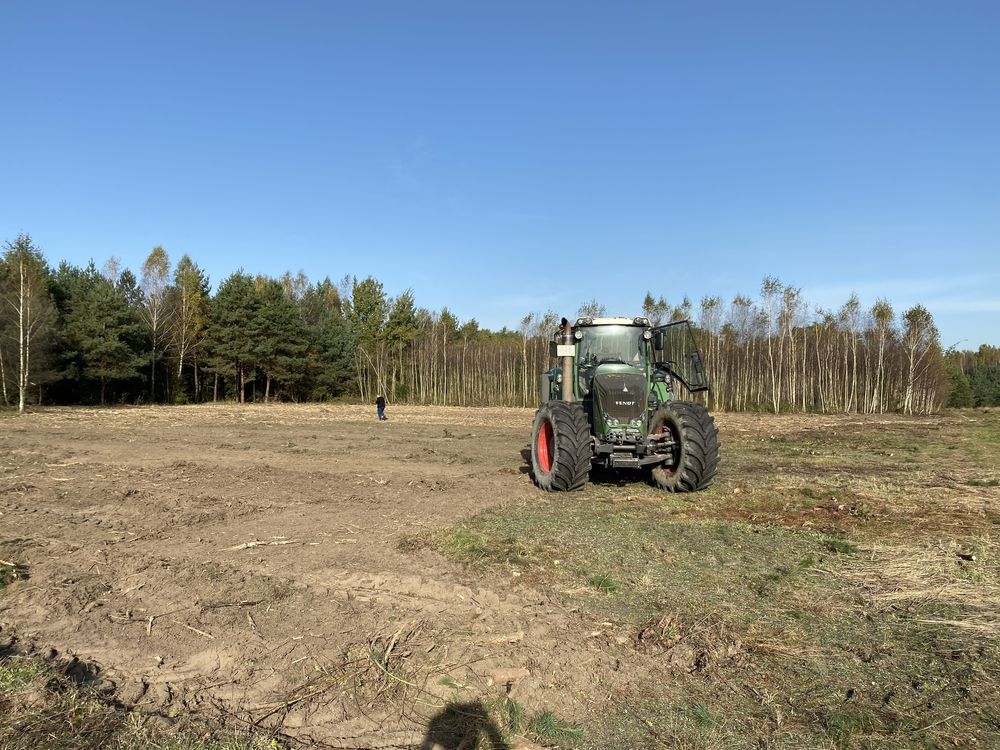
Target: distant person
(380, 405)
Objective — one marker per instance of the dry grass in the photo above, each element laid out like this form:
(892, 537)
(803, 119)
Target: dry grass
(839, 586)
(40, 709)
(959, 578)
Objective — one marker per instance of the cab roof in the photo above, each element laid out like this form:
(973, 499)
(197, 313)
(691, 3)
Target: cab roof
(617, 321)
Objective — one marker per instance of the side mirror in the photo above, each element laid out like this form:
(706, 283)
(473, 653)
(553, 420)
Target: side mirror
(658, 341)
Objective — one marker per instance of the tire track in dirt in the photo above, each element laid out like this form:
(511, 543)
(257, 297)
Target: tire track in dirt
(219, 559)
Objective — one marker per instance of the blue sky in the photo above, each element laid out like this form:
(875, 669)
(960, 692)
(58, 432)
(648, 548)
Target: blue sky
(503, 158)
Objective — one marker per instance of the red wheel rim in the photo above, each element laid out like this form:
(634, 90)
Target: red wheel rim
(545, 446)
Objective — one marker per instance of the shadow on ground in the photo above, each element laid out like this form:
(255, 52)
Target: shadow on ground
(463, 725)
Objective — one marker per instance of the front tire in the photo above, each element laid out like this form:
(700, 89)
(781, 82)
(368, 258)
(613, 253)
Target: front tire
(696, 458)
(560, 446)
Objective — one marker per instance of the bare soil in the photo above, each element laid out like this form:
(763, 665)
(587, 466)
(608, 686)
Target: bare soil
(235, 559)
(257, 564)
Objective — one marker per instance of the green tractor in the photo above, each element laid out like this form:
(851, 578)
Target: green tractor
(613, 402)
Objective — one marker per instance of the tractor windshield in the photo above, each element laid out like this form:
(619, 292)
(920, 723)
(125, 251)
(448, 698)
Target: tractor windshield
(623, 344)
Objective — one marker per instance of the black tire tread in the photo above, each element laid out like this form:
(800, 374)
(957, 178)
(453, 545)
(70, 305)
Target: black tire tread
(699, 439)
(572, 451)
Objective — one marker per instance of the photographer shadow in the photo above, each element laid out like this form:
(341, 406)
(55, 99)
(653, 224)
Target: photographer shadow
(463, 726)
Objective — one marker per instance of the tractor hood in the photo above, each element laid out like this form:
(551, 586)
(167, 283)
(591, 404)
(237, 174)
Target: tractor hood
(619, 395)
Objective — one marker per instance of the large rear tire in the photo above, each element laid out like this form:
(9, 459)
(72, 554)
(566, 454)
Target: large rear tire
(560, 446)
(696, 461)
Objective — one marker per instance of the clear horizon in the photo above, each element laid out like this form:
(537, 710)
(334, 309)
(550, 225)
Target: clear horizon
(506, 159)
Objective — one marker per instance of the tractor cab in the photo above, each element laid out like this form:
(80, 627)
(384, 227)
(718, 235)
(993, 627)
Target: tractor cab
(661, 355)
(609, 341)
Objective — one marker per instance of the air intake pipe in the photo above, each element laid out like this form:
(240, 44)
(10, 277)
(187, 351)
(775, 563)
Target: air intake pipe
(566, 349)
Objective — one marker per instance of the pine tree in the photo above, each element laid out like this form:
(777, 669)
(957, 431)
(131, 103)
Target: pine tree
(233, 330)
(961, 395)
(282, 340)
(367, 313)
(103, 334)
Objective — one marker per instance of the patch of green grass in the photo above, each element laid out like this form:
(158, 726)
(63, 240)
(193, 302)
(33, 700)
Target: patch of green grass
(843, 725)
(16, 672)
(511, 716)
(703, 716)
(603, 583)
(644, 552)
(839, 546)
(983, 482)
(465, 545)
(473, 547)
(547, 727)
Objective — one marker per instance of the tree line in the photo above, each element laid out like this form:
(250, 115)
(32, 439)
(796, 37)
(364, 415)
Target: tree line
(974, 377)
(97, 336)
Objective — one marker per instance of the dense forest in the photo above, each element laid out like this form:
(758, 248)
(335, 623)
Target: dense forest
(72, 335)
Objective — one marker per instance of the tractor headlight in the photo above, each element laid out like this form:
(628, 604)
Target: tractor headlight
(647, 334)
(558, 377)
(578, 334)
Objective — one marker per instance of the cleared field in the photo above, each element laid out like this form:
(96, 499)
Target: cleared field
(318, 576)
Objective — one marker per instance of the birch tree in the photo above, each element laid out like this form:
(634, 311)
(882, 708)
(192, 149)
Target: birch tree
(881, 315)
(189, 305)
(919, 337)
(155, 311)
(592, 309)
(770, 288)
(28, 306)
(401, 330)
(849, 319)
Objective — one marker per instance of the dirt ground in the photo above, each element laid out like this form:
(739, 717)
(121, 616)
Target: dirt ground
(253, 563)
(237, 558)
